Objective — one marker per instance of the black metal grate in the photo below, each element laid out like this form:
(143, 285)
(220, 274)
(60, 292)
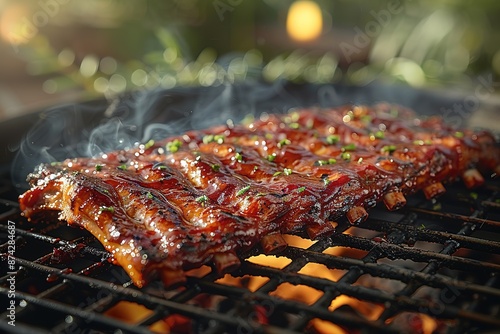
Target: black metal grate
(431, 267)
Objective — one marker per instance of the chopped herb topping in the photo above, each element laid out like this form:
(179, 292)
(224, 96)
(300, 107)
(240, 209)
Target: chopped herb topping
(366, 118)
(174, 145)
(284, 142)
(418, 142)
(219, 139)
(326, 181)
(350, 147)
(380, 135)
(459, 134)
(345, 156)
(277, 173)
(287, 171)
(106, 209)
(238, 157)
(294, 125)
(243, 190)
(149, 144)
(98, 167)
(332, 139)
(149, 195)
(122, 167)
(255, 168)
(473, 195)
(421, 227)
(301, 189)
(208, 139)
(330, 161)
(271, 157)
(388, 149)
(55, 163)
(202, 199)
(268, 136)
(215, 167)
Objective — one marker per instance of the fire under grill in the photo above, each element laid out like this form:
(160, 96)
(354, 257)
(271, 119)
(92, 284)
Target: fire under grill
(431, 267)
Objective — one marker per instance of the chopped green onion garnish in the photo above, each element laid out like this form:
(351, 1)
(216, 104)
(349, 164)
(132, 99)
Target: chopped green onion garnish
(388, 149)
(287, 171)
(277, 173)
(418, 142)
(219, 139)
(122, 167)
(271, 157)
(149, 195)
(380, 135)
(284, 142)
(238, 156)
(301, 189)
(150, 143)
(366, 118)
(326, 181)
(98, 167)
(459, 134)
(242, 190)
(215, 167)
(349, 147)
(107, 209)
(208, 139)
(345, 156)
(294, 125)
(474, 195)
(174, 145)
(255, 168)
(332, 161)
(332, 139)
(202, 199)
(268, 136)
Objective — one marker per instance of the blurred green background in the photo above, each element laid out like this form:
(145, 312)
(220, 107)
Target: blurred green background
(64, 50)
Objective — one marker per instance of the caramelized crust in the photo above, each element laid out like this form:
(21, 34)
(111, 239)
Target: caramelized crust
(204, 197)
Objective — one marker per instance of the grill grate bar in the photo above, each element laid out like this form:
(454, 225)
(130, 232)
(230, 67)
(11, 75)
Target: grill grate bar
(397, 273)
(457, 218)
(424, 234)
(476, 304)
(91, 317)
(339, 317)
(394, 251)
(363, 293)
(433, 266)
(127, 293)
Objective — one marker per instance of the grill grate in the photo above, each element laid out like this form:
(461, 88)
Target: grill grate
(436, 261)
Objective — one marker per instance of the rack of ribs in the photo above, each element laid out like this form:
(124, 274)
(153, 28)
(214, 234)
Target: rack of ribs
(207, 196)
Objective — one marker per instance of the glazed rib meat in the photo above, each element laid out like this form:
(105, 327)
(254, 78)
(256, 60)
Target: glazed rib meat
(207, 196)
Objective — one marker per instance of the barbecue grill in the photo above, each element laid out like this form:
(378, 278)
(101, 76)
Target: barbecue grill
(432, 266)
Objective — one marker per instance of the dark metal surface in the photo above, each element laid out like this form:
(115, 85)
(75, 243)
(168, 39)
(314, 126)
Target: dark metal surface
(449, 247)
